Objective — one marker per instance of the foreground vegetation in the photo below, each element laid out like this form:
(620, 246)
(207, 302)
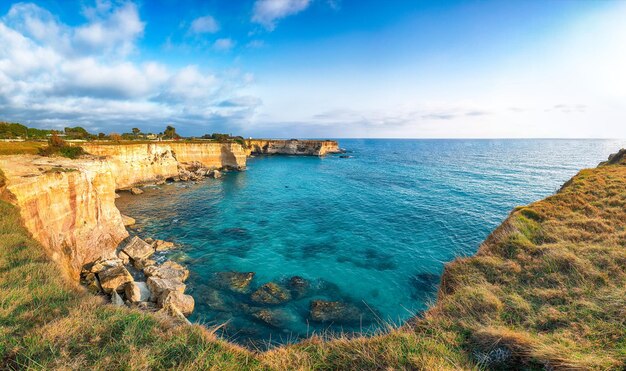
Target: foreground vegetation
(547, 289)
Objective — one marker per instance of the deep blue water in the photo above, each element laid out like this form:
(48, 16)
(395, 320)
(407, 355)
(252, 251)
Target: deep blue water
(374, 230)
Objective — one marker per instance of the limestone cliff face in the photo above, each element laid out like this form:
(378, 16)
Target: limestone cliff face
(292, 147)
(68, 206)
(140, 163)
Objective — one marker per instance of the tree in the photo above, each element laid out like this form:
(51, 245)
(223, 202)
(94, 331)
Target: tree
(101, 136)
(170, 133)
(136, 131)
(115, 136)
(76, 133)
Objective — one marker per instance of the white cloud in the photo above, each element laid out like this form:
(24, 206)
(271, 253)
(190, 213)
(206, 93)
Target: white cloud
(267, 12)
(223, 44)
(52, 74)
(206, 24)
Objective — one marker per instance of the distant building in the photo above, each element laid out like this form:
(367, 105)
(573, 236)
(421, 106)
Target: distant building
(151, 136)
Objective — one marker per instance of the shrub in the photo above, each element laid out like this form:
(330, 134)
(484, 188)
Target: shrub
(57, 146)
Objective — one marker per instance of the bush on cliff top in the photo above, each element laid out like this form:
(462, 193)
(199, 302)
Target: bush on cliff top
(57, 146)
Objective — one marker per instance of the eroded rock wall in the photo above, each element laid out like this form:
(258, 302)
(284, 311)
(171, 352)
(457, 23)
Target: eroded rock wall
(147, 162)
(291, 147)
(68, 206)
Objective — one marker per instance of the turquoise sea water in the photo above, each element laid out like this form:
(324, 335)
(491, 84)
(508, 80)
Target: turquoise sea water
(374, 230)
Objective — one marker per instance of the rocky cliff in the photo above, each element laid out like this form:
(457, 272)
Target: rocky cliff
(291, 147)
(67, 205)
(147, 162)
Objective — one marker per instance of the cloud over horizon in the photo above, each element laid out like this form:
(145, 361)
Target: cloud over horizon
(53, 74)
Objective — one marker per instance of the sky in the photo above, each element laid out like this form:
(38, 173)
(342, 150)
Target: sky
(318, 68)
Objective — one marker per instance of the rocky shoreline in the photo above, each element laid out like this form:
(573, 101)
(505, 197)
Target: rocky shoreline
(141, 276)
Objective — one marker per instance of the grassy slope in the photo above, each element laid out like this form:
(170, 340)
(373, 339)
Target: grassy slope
(549, 285)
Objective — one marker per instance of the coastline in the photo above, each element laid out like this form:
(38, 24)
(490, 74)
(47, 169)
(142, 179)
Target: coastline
(476, 295)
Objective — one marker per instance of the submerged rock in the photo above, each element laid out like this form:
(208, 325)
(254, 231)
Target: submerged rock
(234, 281)
(272, 317)
(138, 249)
(137, 291)
(299, 286)
(271, 293)
(334, 311)
(136, 191)
(168, 270)
(213, 299)
(114, 278)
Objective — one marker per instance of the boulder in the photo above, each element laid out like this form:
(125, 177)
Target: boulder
(234, 281)
(127, 220)
(160, 245)
(271, 293)
(136, 191)
(103, 264)
(168, 270)
(176, 314)
(143, 263)
(149, 240)
(159, 287)
(116, 299)
(184, 303)
(114, 279)
(215, 174)
(137, 291)
(299, 286)
(334, 311)
(138, 249)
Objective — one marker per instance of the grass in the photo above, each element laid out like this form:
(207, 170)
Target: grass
(21, 148)
(547, 289)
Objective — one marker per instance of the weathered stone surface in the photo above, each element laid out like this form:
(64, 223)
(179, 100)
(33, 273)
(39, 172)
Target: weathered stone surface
(271, 293)
(160, 245)
(127, 220)
(136, 191)
(137, 291)
(138, 249)
(116, 299)
(123, 257)
(103, 264)
(273, 317)
(334, 311)
(234, 281)
(159, 287)
(184, 303)
(114, 279)
(176, 314)
(145, 305)
(143, 263)
(168, 270)
(299, 286)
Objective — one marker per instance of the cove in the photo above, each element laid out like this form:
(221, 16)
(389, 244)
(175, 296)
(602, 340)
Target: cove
(372, 231)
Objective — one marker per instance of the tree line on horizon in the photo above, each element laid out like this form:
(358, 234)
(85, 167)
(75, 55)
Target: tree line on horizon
(18, 131)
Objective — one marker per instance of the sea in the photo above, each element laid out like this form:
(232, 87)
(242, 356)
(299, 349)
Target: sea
(368, 231)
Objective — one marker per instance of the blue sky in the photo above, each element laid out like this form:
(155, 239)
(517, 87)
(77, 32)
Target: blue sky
(318, 68)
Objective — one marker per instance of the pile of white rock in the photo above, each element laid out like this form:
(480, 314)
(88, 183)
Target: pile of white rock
(163, 290)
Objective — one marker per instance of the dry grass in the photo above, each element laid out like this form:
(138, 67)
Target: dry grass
(547, 289)
(20, 148)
